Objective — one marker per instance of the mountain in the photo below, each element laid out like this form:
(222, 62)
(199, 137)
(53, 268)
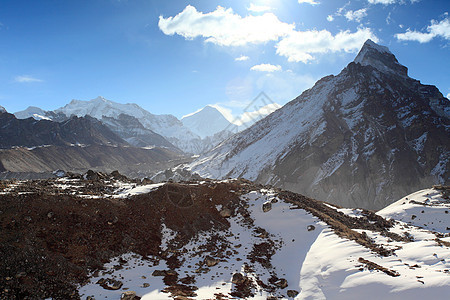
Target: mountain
(131, 130)
(29, 146)
(32, 112)
(106, 237)
(31, 133)
(127, 127)
(206, 122)
(362, 138)
(2, 109)
(166, 125)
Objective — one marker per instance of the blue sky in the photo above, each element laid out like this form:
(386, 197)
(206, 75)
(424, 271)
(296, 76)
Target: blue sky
(178, 56)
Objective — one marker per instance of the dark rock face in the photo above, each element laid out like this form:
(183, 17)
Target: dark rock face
(389, 140)
(363, 138)
(30, 132)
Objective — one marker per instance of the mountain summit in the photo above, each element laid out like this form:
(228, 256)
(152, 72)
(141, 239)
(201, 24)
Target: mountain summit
(363, 138)
(206, 122)
(379, 57)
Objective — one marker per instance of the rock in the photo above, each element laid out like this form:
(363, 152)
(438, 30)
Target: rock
(225, 212)
(292, 293)
(145, 285)
(129, 295)
(311, 227)
(91, 175)
(267, 206)
(159, 273)
(110, 284)
(238, 278)
(147, 181)
(90, 298)
(210, 261)
(117, 176)
(281, 283)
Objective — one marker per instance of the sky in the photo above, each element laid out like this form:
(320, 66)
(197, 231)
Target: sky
(175, 57)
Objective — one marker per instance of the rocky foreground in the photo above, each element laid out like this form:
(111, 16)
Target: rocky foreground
(99, 235)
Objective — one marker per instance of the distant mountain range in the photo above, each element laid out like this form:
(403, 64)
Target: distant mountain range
(362, 138)
(193, 134)
(29, 147)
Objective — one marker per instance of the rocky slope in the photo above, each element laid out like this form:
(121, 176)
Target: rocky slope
(132, 161)
(32, 148)
(209, 240)
(362, 138)
(75, 131)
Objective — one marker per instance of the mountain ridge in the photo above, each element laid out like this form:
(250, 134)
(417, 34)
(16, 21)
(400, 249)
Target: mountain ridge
(364, 137)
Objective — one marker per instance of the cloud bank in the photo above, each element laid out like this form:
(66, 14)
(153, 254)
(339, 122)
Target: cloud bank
(436, 29)
(223, 27)
(300, 46)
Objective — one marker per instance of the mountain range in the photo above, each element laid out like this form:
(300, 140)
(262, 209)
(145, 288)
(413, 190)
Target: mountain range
(362, 138)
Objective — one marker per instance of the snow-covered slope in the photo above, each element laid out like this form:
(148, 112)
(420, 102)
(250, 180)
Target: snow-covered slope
(288, 247)
(426, 209)
(362, 138)
(206, 122)
(32, 112)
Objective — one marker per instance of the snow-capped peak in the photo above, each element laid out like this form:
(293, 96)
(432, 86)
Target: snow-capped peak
(2, 109)
(379, 57)
(206, 121)
(31, 112)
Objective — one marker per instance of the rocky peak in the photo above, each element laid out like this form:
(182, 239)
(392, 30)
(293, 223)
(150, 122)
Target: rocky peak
(380, 58)
(2, 109)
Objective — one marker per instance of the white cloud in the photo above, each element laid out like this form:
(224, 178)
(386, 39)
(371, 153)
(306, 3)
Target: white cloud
(312, 2)
(385, 2)
(224, 27)
(356, 15)
(302, 45)
(266, 68)
(26, 78)
(436, 29)
(259, 8)
(242, 58)
(330, 18)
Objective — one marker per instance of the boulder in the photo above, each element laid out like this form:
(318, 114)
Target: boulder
(210, 261)
(129, 295)
(238, 278)
(110, 284)
(281, 283)
(225, 212)
(267, 206)
(292, 293)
